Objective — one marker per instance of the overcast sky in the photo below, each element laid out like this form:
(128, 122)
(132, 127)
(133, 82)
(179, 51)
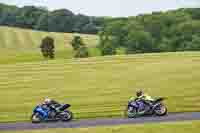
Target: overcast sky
(109, 7)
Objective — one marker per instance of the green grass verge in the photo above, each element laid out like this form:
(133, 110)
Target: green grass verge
(179, 127)
(22, 45)
(100, 87)
(21, 57)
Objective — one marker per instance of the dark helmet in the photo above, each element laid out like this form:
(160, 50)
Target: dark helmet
(139, 93)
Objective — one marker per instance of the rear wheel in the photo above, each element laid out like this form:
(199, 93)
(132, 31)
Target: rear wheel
(131, 112)
(67, 116)
(36, 118)
(160, 110)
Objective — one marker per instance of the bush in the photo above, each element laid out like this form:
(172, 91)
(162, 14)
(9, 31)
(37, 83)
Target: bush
(108, 49)
(82, 52)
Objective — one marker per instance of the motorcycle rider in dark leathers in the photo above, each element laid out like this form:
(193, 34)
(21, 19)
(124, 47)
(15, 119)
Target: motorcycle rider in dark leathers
(52, 104)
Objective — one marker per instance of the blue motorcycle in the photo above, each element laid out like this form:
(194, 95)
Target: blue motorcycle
(141, 108)
(42, 113)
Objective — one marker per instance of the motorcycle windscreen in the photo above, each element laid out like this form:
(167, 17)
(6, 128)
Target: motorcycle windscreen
(65, 107)
(159, 100)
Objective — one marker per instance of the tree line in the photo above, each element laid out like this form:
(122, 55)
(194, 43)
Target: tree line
(39, 18)
(170, 31)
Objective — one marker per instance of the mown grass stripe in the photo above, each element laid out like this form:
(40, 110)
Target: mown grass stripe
(2, 38)
(20, 39)
(29, 44)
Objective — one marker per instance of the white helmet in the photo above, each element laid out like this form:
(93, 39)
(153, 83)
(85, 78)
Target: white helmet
(47, 100)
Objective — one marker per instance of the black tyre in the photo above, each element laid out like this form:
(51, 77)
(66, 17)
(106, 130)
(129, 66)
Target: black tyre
(68, 116)
(160, 110)
(36, 118)
(132, 112)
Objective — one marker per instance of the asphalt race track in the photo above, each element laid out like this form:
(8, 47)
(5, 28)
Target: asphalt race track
(172, 117)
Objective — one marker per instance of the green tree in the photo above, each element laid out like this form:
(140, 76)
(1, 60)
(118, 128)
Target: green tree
(90, 28)
(61, 21)
(40, 18)
(117, 32)
(47, 47)
(81, 51)
(139, 42)
(194, 45)
(108, 49)
(183, 34)
(77, 42)
(106, 45)
(8, 15)
(80, 21)
(29, 16)
(42, 23)
(165, 45)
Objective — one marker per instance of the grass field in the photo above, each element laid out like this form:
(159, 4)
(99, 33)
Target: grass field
(22, 45)
(100, 87)
(179, 127)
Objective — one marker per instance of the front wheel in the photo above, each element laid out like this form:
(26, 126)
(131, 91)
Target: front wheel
(67, 116)
(131, 112)
(36, 118)
(160, 110)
